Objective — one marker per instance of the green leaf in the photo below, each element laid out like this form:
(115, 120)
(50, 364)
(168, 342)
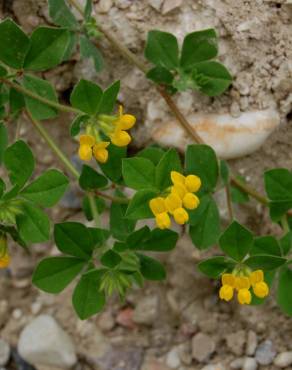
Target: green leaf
(77, 124)
(16, 101)
(238, 196)
(99, 236)
(169, 162)
(224, 172)
(110, 259)
(201, 160)
(47, 189)
(86, 96)
(265, 262)
(138, 173)
(3, 71)
(87, 299)
(120, 226)
(236, 241)
(265, 245)
(14, 158)
(113, 167)
(162, 49)
(159, 241)
(198, 47)
(286, 243)
(100, 205)
(152, 153)
(71, 46)
(14, 44)
(90, 179)
(62, 15)
(215, 266)
(136, 238)
(74, 238)
(88, 9)
(42, 88)
(151, 269)
(212, 77)
(54, 274)
(284, 292)
(109, 98)
(139, 205)
(2, 187)
(3, 140)
(47, 49)
(33, 224)
(205, 223)
(160, 75)
(89, 50)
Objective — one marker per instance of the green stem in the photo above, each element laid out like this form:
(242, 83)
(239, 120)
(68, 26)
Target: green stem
(285, 224)
(94, 209)
(23, 90)
(229, 201)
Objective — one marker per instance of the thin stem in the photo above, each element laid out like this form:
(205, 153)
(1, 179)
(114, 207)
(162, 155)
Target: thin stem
(249, 190)
(113, 199)
(285, 224)
(77, 6)
(229, 201)
(49, 140)
(94, 209)
(23, 90)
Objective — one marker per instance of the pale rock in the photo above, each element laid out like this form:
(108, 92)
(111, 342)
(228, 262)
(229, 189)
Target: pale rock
(155, 110)
(237, 363)
(251, 343)
(173, 359)
(4, 312)
(249, 363)
(265, 353)
(214, 367)
(36, 307)
(236, 341)
(151, 364)
(104, 6)
(185, 102)
(230, 137)
(106, 321)
(44, 342)
(202, 347)
(123, 4)
(156, 4)
(283, 359)
(146, 311)
(17, 313)
(4, 352)
(235, 110)
(170, 5)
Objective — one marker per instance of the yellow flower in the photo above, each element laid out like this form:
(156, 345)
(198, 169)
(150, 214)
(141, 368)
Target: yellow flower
(179, 189)
(180, 216)
(4, 261)
(100, 152)
(226, 292)
(256, 277)
(120, 138)
(85, 149)
(172, 202)
(191, 201)
(244, 296)
(242, 282)
(163, 220)
(193, 183)
(260, 288)
(157, 205)
(177, 178)
(228, 279)
(126, 121)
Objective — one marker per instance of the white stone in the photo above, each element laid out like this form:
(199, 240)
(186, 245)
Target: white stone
(251, 343)
(4, 352)
(214, 367)
(146, 311)
(230, 137)
(237, 363)
(265, 353)
(202, 347)
(170, 5)
(283, 359)
(249, 363)
(172, 359)
(104, 6)
(44, 342)
(156, 4)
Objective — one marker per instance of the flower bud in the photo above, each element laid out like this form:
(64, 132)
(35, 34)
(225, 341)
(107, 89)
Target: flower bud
(172, 202)
(191, 201)
(157, 205)
(226, 292)
(181, 216)
(163, 220)
(193, 183)
(85, 152)
(120, 138)
(261, 289)
(244, 296)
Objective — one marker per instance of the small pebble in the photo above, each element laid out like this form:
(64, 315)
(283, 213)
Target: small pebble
(4, 352)
(172, 359)
(251, 343)
(283, 359)
(265, 353)
(249, 363)
(202, 347)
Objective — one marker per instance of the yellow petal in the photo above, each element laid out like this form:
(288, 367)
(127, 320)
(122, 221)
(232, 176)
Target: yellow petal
(226, 292)
(256, 277)
(179, 189)
(193, 183)
(242, 282)
(126, 121)
(4, 261)
(85, 152)
(87, 140)
(261, 289)
(180, 216)
(157, 205)
(228, 279)
(172, 202)
(121, 138)
(100, 154)
(177, 178)
(191, 201)
(102, 144)
(244, 296)
(163, 220)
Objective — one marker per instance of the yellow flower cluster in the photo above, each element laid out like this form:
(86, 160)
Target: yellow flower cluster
(4, 261)
(242, 285)
(179, 198)
(112, 126)
(120, 136)
(89, 146)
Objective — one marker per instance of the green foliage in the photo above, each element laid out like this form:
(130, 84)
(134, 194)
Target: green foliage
(113, 167)
(215, 266)
(89, 50)
(3, 140)
(62, 15)
(139, 205)
(86, 97)
(90, 179)
(266, 245)
(205, 223)
(169, 162)
(138, 173)
(284, 295)
(265, 262)
(236, 241)
(151, 269)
